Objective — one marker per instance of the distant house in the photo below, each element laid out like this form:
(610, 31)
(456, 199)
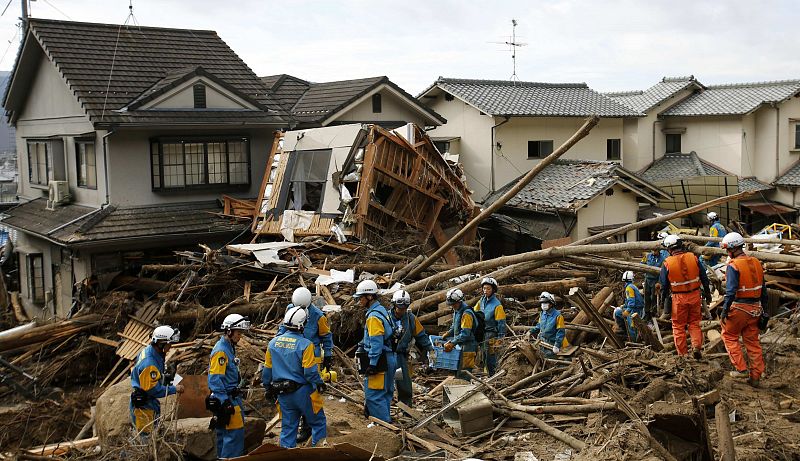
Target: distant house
(578, 198)
(375, 100)
(501, 129)
(117, 164)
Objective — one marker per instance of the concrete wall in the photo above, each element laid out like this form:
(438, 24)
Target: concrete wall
(618, 208)
(475, 131)
(393, 108)
(789, 116)
(715, 139)
(130, 171)
(511, 160)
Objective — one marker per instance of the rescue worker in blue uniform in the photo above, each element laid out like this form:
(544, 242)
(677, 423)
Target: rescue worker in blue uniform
(716, 229)
(318, 331)
(495, 318)
(464, 322)
(550, 329)
(146, 380)
(408, 328)
(654, 258)
(291, 373)
(223, 382)
(378, 347)
(634, 304)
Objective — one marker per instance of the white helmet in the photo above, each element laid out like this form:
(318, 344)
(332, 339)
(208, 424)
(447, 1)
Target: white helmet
(295, 318)
(627, 276)
(712, 216)
(662, 235)
(732, 240)
(401, 298)
(491, 282)
(671, 242)
(366, 287)
(301, 297)
(235, 322)
(454, 296)
(166, 333)
(546, 296)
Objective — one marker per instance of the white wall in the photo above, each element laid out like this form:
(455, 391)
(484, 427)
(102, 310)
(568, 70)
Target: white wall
(393, 109)
(183, 97)
(619, 208)
(715, 139)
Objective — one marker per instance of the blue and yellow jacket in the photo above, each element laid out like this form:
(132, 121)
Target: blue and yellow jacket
(411, 329)
(634, 301)
(654, 260)
(716, 230)
(223, 370)
(317, 330)
(146, 375)
(461, 330)
(495, 316)
(290, 356)
(377, 332)
(551, 328)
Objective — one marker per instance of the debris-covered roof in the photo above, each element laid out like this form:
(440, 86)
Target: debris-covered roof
(569, 184)
(88, 225)
(144, 59)
(312, 103)
(734, 99)
(533, 99)
(672, 167)
(643, 101)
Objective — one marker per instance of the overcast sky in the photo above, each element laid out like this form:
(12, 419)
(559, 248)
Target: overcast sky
(611, 45)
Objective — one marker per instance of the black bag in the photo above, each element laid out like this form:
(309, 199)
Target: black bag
(222, 412)
(362, 361)
(139, 398)
(479, 329)
(763, 320)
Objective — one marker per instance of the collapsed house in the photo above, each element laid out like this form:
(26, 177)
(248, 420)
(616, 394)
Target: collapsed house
(360, 181)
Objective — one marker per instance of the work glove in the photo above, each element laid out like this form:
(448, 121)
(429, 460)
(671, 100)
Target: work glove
(556, 349)
(322, 387)
(723, 315)
(270, 395)
(448, 347)
(372, 370)
(327, 362)
(228, 408)
(707, 296)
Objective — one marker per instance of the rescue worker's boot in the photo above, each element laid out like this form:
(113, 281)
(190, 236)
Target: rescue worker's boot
(303, 431)
(743, 374)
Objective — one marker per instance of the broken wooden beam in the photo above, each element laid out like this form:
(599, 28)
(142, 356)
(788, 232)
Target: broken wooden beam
(544, 427)
(578, 297)
(725, 445)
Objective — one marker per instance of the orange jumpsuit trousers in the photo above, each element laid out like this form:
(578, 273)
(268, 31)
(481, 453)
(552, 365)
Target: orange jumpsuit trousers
(686, 311)
(741, 322)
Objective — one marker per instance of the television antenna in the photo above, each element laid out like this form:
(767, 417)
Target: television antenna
(513, 44)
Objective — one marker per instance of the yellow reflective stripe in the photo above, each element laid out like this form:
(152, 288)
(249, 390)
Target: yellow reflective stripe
(375, 326)
(268, 359)
(218, 363)
(713, 232)
(143, 420)
(477, 306)
(499, 313)
(148, 378)
(309, 359)
(629, 292)
(417, 327)
(560, 322)
(466, 320)
(322, 326)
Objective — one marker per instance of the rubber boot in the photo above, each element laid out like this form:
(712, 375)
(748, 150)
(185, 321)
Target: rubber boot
(303, 431)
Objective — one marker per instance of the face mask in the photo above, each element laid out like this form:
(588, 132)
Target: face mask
(545, 306)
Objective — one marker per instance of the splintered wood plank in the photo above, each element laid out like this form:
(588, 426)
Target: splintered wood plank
(440, 238)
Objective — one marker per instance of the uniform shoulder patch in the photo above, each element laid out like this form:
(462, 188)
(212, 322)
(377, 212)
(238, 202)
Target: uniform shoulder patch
(154, 375)
(221, 360)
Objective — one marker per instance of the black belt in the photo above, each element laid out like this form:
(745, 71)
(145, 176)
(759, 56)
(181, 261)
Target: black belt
(286, 386)
(747, 300)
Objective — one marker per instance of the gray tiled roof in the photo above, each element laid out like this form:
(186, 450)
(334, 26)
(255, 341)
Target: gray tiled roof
(500, 97)
(672, 167)
(143, 58)
(734, 99)
(643, 101)
(791, 178)
(567, 185)
(312, 103)
(194, 219)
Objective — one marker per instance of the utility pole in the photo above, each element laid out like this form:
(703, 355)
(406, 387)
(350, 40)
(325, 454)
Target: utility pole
(24, 17)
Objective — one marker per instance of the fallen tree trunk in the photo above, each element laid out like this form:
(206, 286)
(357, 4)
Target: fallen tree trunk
(614, 264)
(544, 427)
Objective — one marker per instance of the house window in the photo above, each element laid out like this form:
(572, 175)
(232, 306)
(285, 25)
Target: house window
(613, 149)
(376, 103)
(309, 173)
(46, 161)
(540, 149)
(86, 161)
(673, 143)
(797, 136)
(36, 277)
(199, 96)
(442, 146)
(191, 163)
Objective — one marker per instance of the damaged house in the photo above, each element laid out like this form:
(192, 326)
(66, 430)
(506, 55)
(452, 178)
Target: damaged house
(117, 164)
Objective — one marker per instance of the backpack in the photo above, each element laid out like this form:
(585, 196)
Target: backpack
(479, 330)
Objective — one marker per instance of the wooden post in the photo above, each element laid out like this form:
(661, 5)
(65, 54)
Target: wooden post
(579, 298)
(726, 448)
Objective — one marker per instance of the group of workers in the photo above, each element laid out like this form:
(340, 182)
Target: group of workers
(302, 350)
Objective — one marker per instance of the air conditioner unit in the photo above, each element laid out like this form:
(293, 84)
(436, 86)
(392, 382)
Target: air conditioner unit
(58, 193)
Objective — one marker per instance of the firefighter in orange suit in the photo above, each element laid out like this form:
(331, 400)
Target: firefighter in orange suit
(683, 274)
(745, 298)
